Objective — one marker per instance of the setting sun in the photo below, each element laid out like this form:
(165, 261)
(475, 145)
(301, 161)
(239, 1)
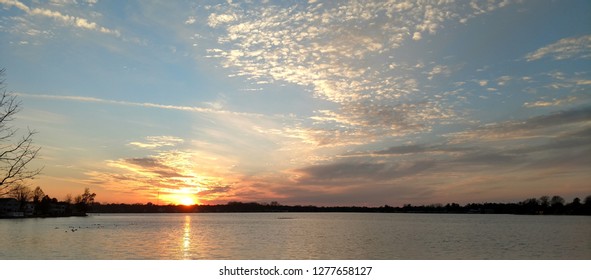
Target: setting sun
(186, 200)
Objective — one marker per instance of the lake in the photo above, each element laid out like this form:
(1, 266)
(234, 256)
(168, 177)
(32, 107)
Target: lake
(297, 236)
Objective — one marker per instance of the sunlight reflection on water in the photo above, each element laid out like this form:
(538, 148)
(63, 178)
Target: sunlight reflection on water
(297, 236)
(187, 238)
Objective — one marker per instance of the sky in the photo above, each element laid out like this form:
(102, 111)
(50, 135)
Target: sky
(304, 102)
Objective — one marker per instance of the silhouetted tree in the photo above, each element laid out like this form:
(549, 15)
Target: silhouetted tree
(530, 206)
(557, 201)
(453, 208)
(87, 197)
(21, 193)
(587, 205)
(545, 201)
(576, 201)
(84, 200)
(44, 205)
(575, 207)
(15, 156)
(38, 194)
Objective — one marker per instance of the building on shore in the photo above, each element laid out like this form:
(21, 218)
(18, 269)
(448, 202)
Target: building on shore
(10, 208)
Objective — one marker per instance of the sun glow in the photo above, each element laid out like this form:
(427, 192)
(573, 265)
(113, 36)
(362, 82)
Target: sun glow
(186, 200)
(182, 196)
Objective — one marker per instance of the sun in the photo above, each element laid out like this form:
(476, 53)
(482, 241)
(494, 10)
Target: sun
(187, 201)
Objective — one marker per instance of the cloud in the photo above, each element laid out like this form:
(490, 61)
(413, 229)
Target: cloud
(530, 128)
(16, 4)
(401, 150)
(542, 138)
(417, 36)
(450, 155)
(325, 49)
(551, 103)
(482, 7)
(486, 158)
(170, 173)
(570, 140)
(150, 167)
(503, 80)
(74, 21)
(190, 20)
(136, 104)
(340, 172)
(157, 142)
(555, 143)
(438, 70)
(216, 19)
(567, 48)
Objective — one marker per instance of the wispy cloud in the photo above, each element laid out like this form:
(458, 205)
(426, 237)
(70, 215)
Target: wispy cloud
(553, 102)
(167, 174)
(66, 19)
(136, 104)
(567, 48)
(533, 127)
(152, 142)
(334, 173)
(464, 168)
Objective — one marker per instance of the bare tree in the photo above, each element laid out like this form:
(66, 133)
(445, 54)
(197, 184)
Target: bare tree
(38, 194)
(21, 193)
(84, 201)
(68, 199)
(15, 156)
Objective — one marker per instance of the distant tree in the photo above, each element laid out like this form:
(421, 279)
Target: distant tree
(68, 199)
(530, 206)
(557, 205)
(587, 205)
(78, 199)
(545, 201)
(88, 197)
(15, 155)
(576, 201)
(557, 201)
(84, 200)
(38, 194)
(21, 193)
(575, 207)
(44, 206)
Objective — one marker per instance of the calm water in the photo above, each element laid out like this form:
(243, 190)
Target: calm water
(297, 236)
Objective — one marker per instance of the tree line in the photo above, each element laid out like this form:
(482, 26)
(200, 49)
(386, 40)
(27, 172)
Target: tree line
(544, 205)
(40, 204)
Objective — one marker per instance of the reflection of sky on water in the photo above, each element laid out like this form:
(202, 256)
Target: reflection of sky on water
(256, 236)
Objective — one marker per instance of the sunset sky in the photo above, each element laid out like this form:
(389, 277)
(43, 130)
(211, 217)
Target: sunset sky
(317, 102)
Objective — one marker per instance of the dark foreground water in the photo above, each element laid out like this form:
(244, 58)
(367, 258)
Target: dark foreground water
(297, 236)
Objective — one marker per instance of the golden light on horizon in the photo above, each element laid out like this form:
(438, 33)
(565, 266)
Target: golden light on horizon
(183, 196)
(187, 201)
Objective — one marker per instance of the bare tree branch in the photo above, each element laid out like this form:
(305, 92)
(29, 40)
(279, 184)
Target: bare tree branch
(15, 156)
